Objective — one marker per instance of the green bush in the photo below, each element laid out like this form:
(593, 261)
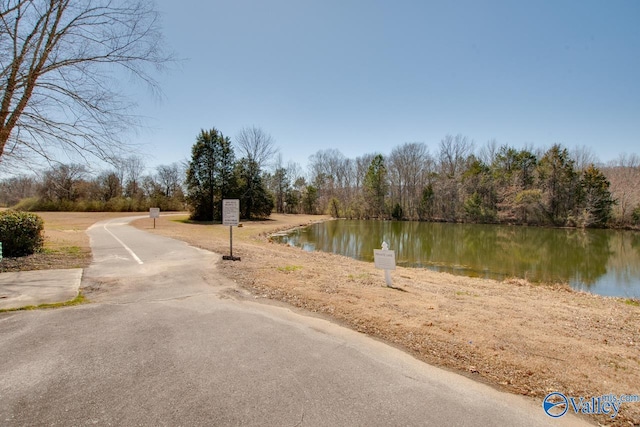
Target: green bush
(20, 233)
(397, 213)
(636, 215)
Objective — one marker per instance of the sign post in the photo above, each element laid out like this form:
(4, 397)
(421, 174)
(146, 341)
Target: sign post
(230, 217)
(384, 259)
(154, 213)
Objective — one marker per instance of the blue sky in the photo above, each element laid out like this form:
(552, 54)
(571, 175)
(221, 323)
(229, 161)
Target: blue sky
(366, 76)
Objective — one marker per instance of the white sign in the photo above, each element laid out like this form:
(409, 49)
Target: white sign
(231, 212)
(154, 212)
(384, 259)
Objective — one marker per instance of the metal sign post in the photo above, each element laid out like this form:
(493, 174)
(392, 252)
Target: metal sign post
(154, 213)
(231, 217)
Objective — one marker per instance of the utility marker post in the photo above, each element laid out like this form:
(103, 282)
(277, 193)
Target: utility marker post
(384, 259)
(154, 213)
(230, 217)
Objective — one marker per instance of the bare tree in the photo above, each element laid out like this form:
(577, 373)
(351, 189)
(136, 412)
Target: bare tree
(624, 176)
(488, 152)
(583, 157)
(298, 183)
(329, 172)
(294, 171)
(170, 178)
(256, 145)
(453, 154)
(16, 188)
(408, 165)
(61, 182)
(361, 166)
(279, 184)
(110, 185)
(59, 72)
(133, 167)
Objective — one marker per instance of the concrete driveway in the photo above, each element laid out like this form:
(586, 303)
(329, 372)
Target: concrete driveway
(32, 288)
(168, 341)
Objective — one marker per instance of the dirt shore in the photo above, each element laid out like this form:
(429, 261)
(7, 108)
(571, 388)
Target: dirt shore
(525, 338)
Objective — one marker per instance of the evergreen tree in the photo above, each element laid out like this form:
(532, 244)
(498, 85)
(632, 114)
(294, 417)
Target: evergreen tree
(559, 183)
(427, 202)
(334, 207)
(292, 200)
(280, 186)
(376, 186)
(310, 200)
(478, 184)
(210, 175)
(513, 173)
(397, 212)
(255, 200)
(597, 202)
(635, 215)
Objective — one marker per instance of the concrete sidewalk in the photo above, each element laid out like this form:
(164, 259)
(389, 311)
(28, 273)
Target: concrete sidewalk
(38, 287)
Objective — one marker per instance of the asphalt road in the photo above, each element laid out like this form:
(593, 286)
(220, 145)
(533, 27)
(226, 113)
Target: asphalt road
(168, 341)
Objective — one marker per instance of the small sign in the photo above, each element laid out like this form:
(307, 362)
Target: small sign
(154, 212)
(231, 212)
(384, 259)
(231, 217)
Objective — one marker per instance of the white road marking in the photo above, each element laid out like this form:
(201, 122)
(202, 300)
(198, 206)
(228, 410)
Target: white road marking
(133, 254)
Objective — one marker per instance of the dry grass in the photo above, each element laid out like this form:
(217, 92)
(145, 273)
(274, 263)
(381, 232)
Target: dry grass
(524, 338)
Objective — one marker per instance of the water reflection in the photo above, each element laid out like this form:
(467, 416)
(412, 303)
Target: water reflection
(606, 262)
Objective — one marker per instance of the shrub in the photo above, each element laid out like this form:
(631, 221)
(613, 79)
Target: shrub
(397, 213)
(636, 215)
(334, 207)
(20, 233)
(28, 204)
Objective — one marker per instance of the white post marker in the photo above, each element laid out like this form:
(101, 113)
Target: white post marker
(231, 217)
(384, 259)
(154, 213)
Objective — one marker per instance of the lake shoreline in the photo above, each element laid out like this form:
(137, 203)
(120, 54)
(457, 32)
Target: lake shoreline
(595, 260)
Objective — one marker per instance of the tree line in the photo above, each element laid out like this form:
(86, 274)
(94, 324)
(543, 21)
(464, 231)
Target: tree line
(72, 187)
(212, 174)
(455, 183)
(496, 184)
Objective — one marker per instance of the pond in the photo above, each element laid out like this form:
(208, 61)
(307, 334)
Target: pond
(605, 262)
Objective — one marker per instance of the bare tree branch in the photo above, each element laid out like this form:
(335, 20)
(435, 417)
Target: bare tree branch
(59, 63)
(255, 144)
